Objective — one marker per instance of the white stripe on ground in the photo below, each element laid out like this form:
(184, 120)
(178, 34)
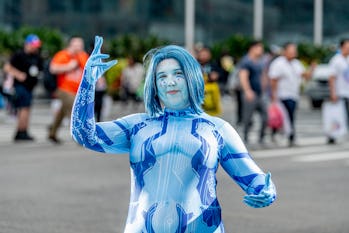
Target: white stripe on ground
(323, 157)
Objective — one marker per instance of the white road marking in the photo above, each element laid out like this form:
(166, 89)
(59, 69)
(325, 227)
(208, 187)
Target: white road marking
(297, 151)
(323, 157)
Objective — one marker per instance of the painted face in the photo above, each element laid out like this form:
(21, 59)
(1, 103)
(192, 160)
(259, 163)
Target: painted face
(172, 85)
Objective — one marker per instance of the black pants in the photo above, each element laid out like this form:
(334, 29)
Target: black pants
(99, 104)
(346, 101)
(291, 106)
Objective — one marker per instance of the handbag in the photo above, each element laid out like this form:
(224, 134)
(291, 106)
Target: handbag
(275, 116)
(334, 119)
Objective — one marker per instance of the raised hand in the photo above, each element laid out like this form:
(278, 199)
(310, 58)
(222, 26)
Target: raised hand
(95, 67)
(265, 197)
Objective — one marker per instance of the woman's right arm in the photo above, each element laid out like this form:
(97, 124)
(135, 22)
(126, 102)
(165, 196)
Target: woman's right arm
(108, 137)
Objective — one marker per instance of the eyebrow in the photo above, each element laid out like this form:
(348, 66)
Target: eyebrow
(161, 72)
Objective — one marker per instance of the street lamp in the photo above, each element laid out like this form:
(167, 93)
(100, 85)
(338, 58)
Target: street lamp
(189, 24)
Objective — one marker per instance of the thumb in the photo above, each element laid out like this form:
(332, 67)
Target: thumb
(267, 179)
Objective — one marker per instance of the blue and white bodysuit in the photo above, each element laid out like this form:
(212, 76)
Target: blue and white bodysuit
(173, 159)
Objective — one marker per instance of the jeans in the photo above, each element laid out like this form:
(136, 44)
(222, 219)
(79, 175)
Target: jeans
(290, 106)
(249, 107)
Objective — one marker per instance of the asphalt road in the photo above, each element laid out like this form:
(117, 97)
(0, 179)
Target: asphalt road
(67, 189)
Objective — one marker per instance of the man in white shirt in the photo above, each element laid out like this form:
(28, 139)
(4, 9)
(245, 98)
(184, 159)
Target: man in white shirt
(286, 73)
(339, 80)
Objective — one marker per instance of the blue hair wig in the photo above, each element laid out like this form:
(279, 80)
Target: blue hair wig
(192, 72)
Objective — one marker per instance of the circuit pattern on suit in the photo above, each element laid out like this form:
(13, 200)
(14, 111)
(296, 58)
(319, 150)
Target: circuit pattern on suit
(174, 158)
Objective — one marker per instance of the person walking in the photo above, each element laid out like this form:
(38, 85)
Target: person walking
(24, 68)
(132, 78)
(174, 147)
(286, 73)
(252, 84)
(339, 80)
(68, 65)
(211, 74)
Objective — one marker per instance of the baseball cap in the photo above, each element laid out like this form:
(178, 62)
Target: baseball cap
(33, 40)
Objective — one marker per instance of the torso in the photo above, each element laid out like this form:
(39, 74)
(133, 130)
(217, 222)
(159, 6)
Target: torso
(289, 77)
(173, 165)
(341, 66)
(70, 81)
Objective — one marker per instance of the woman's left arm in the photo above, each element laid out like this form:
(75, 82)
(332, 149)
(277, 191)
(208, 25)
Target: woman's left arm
(238, 163)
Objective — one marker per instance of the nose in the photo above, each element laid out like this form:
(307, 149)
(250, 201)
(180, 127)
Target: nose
(171, 81)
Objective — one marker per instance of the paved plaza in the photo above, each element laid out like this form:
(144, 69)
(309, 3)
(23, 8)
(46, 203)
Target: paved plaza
(46, 188)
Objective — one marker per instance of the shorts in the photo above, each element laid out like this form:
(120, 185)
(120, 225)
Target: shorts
(22, 97)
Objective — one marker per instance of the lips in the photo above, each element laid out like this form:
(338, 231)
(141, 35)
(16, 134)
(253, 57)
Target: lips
(172, 92)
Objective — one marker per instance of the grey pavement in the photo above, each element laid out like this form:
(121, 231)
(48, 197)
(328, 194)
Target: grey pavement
(68, 189)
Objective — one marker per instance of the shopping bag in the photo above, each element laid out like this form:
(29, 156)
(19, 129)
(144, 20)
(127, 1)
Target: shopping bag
(278, 118)
(275, 116)
(334, 119)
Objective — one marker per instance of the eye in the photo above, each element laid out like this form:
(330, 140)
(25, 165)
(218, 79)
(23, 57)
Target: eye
(179, 73)
(162, 76)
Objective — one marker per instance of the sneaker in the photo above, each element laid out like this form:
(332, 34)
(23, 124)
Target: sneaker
(54, 139)
(331, 141)
(23, 136)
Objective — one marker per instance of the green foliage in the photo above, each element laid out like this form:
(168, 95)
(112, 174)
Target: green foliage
(52, 40)
(235, 45)
(132, 45)
(310, 53)
(122, 47)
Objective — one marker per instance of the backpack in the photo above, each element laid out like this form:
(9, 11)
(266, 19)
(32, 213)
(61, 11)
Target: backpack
(50, 80)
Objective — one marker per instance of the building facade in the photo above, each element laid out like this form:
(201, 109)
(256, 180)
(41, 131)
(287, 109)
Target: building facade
(214, 19)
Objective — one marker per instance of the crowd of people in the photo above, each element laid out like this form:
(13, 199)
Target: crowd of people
(260, 79)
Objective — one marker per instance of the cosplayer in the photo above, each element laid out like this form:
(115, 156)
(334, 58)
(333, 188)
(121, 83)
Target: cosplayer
(174, 148)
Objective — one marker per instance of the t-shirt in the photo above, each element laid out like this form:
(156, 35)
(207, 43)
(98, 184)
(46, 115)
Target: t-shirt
(70, 81)
(30, 64)
(340, 68)
(255, 69)
(132, 77)
(289, 76)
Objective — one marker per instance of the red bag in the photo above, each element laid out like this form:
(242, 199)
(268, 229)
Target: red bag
(275, 116)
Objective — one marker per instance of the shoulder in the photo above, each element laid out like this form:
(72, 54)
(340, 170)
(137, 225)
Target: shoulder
(216, 121)
(337, 58)
(18, 54)
(83, 55)
(278, 60)
(135, 118)
(276, 67)
(244, 62)
(60, 56)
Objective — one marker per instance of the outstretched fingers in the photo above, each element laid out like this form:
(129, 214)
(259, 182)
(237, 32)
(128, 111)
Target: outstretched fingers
(98, 45)
(256, 204)
(267, 180)
(110, 64)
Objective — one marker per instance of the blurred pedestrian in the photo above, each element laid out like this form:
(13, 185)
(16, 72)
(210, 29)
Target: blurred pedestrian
(68, 65)
(339, 80)
(251, 79)
(211, 73)
(24, 68)
(101, 89)
(226, 66)
(286, 73)
(132, 78)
